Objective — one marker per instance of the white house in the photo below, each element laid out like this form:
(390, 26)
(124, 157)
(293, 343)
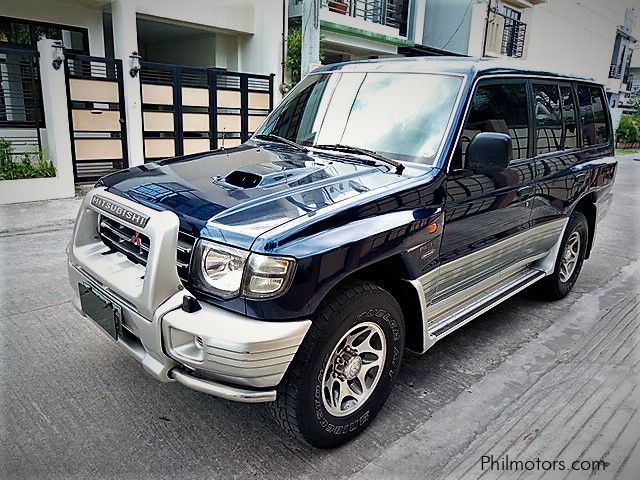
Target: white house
(180, 100)
(590, 38)
(357, 29)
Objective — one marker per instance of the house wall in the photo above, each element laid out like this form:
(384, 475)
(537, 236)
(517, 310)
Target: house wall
(447, 24)
(60, 13)
(230, 15)
(581, 36)
(566, 36)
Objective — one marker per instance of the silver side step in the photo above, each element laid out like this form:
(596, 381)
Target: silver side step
(458, 315)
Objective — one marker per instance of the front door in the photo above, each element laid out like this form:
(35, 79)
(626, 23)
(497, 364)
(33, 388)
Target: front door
(487, 215)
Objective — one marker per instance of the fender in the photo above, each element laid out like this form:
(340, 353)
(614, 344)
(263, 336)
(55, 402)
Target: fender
(331, 249)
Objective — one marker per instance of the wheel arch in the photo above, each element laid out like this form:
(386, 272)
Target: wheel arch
(390, 274)
(587, 206)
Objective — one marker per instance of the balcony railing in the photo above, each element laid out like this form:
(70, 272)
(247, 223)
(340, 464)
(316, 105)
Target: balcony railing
(392, 13)
(615, 71)
(506, 35)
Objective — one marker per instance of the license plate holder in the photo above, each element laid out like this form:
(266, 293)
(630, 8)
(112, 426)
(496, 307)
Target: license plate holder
(107, 314)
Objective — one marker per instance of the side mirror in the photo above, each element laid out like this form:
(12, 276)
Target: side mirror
(489, 152)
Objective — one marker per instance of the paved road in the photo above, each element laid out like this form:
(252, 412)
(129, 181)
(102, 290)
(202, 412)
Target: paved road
(528, 379)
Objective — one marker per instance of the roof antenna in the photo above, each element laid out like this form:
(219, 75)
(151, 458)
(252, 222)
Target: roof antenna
(223, 135)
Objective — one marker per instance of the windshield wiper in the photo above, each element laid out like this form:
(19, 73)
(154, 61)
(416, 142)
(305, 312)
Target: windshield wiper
(363, 151)
(277, 138)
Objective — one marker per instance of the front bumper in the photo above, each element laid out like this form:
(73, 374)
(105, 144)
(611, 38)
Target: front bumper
(213, 350)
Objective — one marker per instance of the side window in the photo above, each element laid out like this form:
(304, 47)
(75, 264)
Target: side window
(586, 116)
(500, 108)
(599, 115)
(570, 117)
(595, 130)
(548, 117)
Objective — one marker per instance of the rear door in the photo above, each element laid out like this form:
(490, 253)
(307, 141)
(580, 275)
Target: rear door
(557, 153)
(487, 214)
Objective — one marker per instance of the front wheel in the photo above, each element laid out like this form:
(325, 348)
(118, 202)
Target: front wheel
(345, 368)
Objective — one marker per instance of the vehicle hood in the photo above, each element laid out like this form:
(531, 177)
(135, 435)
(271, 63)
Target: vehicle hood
(236, 195)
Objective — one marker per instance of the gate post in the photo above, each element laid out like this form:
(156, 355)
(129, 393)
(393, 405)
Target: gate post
(54, 100)
(125, 42)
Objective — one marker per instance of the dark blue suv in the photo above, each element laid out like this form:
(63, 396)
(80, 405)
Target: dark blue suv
(382, 205)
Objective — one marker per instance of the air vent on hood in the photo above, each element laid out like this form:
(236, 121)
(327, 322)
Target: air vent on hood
(243, 179)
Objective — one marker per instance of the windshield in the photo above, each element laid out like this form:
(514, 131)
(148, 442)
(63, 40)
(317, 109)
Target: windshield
(399, 115)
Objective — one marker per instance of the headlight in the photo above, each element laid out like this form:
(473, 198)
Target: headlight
(266, 276)
(221, 268)
(227, 271)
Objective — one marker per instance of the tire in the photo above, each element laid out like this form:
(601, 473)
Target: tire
(366, 317)
(557, 285)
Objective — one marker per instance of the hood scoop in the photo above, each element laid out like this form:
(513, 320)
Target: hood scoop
(241, 179)
(272, 175)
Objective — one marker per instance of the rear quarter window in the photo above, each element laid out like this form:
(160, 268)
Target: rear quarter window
(593, 116)
(548, 112)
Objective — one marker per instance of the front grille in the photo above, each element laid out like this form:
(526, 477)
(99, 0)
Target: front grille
(135, 246)
(183, 255)
(120, 238)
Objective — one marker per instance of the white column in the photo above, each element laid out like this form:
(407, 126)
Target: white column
(477, 29)
(125, 41)
(310, 36)
(56, 117)
(419, 13)
(261, 52)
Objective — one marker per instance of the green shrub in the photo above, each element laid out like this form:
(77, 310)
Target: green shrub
(294, 53)
(25, 166)
(293, 61)
(629, 129)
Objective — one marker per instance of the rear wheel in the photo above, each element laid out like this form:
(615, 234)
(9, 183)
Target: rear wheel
(345, 368)
(570, 259)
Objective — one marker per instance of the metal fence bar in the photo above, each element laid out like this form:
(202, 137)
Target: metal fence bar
(513, 35)
(244, 108)
(97, 118)
(213, 110)
(20, 89)
(222, 87)
(177, 113)
(21, 109)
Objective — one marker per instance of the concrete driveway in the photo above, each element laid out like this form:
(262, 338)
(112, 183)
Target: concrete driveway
(529, 379)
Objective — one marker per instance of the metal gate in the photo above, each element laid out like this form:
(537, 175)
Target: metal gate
(190, 110)
(21, 112)
(97, 119)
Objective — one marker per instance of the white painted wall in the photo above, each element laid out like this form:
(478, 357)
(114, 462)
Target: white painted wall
(576, 37)
(230, 15)
(417, 15)
(62, 13)
(261, 53)
(57, 143)
(448, 24)
(227, 52)
(566, 36)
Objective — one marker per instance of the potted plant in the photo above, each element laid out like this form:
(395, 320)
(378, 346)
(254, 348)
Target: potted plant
(338, 6)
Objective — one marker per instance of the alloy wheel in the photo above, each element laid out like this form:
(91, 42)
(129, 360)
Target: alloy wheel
(570, 257)
(354, 369)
